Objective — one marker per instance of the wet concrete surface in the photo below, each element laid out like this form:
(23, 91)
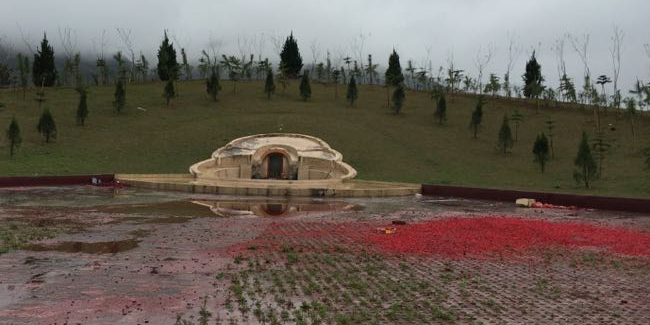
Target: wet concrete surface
(142, 256)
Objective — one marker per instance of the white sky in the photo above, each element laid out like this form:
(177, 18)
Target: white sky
(447, 27)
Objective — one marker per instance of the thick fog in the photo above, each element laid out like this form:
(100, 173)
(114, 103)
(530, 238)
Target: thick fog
(431, 33)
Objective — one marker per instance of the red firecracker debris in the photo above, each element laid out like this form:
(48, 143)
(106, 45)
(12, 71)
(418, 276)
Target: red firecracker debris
(499, 236)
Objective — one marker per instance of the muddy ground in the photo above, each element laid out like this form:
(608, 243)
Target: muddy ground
(83, 255)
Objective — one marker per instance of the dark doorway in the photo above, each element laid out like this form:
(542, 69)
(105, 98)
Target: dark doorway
(274, 209)
(275, 162)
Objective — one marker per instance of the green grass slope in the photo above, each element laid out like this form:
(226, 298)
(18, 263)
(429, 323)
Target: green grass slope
(408, 147)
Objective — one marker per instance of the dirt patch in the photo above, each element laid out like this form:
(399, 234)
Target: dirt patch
(110, 247)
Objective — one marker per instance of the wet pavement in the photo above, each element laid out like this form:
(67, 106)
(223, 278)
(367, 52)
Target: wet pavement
(142, 257)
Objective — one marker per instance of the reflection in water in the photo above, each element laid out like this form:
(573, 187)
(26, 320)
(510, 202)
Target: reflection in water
(110, 247)
(231, 208)
(186, 210)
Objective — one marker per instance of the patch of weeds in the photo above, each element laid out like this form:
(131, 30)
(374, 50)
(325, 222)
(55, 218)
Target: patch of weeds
(204, 314)
(272, 316)
(181, 321)
(493, 305)
(298, 317)
(343, 319)
(238, 259)
(404, 267)
(393, 311)
(228, 303)
(592, 259)
(442, 314)
(16, 234)
(284, 315)
(541, 284)
(292, 258)
(286, 248)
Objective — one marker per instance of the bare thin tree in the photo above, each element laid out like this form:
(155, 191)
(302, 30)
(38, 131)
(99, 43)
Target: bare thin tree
(427, 66)
(481, 61)
(315, 54)
(277, 41)
(214, 46)
(6, 49)
(260, 44)
(615, 50)
(26, 39)
(102, 66)
(581, 46)
(514, 50)
(558, 48)
(357, 45)
(127, 46)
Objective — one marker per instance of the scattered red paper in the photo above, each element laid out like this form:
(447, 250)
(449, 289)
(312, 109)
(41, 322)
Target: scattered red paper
(490, 236)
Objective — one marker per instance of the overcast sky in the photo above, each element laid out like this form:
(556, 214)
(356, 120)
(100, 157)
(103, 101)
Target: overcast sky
(421, 30)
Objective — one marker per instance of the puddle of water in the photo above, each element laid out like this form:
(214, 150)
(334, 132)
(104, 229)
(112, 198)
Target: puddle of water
(110, 247)
(274, 208)
(168, 209)
(183, 211)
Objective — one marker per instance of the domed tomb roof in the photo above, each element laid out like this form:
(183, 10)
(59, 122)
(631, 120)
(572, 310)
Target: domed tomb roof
(304, 145)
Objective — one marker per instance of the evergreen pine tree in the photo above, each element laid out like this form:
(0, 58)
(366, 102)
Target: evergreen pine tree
(441, 110)
(600, 146)
(352, 94)
(584, 161)
(269, 85)
(532, 78)
(82, 108)
(167, 65)
(13, 136)
(398, 98)
(477, 117)
(505, 136)
(120, 96)
(43, 70)
(393, 75)
(169, 92)
(46, 126)
(290, 59)
(541, 150)
(305, 88)
(212, 84)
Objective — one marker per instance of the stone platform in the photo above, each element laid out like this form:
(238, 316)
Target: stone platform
(259, 187)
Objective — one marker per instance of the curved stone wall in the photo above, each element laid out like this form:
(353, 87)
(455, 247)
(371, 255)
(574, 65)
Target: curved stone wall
(304, 158)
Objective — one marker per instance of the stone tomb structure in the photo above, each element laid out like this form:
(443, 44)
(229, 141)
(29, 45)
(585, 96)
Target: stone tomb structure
(277, 156)
(276, 164)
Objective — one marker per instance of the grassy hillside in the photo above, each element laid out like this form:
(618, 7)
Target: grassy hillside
(408, 147)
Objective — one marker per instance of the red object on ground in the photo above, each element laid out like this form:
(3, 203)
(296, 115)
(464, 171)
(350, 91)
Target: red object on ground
(498, 236)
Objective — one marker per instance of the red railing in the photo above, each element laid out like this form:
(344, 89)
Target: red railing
(582, 201)
(16, 181)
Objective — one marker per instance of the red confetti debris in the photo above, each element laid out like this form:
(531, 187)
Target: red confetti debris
(490, 236)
